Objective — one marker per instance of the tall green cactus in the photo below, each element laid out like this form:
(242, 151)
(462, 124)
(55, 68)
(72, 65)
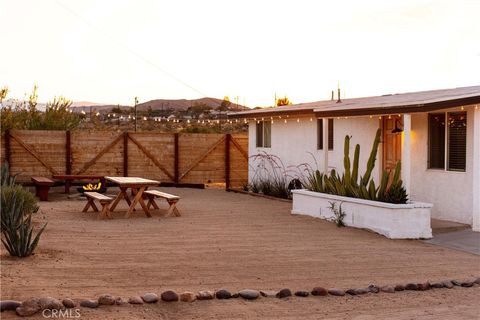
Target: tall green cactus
(371, 160)
(346, 160)
(396, 176)
(348, 184)
(355, 165)
(383, 185)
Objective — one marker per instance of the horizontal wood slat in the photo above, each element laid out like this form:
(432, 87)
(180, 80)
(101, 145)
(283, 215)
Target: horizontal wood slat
(199, 158)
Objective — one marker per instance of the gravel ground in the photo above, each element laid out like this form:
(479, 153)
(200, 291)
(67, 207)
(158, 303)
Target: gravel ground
(233, 241)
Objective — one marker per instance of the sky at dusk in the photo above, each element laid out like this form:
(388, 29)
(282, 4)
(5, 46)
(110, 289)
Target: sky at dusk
(112, 51)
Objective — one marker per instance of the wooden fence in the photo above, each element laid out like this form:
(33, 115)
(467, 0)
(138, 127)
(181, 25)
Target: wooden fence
(168, 157)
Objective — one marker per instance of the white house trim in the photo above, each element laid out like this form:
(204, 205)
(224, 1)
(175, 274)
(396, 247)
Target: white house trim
(406, 151)
(476, 170)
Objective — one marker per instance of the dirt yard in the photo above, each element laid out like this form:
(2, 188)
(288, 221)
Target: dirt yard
(233, 241)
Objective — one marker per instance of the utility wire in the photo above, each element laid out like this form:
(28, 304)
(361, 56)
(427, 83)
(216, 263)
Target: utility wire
(133, 52)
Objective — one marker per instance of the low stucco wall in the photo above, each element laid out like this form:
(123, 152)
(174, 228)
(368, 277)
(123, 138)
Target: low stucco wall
(395, 221)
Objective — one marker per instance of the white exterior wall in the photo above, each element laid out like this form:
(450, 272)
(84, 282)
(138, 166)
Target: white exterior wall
(294, 141)
(449, 191)
(476, 169)
(395, 221)
(454, 195)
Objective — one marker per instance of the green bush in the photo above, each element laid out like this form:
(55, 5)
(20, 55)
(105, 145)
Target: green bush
(270, 176)
(17, 196)
(348, 184)
(17, 229)
(6, 178)
(16, 208)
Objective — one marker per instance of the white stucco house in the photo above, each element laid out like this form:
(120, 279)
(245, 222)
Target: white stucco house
(436, 135)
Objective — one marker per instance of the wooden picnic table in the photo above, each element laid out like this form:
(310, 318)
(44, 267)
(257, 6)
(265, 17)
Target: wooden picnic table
(138, 186)
(70, 177)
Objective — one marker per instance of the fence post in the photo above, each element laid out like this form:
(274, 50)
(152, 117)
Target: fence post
(227, 161)
(176, 159)
(8, 155)
(125, 154)
(68, 152)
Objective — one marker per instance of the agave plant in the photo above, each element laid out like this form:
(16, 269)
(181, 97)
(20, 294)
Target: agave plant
(6, 178)
(17, 230)
(389, 190)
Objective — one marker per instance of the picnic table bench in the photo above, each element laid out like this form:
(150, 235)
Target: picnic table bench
(102, 199)
(71, 177)
(42, 186)
(138, 186)
(171, 200)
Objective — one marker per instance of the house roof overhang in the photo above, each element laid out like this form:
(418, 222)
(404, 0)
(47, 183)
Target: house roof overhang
(424, 101)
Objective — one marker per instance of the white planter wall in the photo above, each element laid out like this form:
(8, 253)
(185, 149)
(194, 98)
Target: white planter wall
(394, 221)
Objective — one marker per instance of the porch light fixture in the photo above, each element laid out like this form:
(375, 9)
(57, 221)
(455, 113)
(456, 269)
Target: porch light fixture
(397, 129)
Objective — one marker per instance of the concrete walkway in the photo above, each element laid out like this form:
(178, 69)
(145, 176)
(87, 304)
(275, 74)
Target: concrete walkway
(464, 240)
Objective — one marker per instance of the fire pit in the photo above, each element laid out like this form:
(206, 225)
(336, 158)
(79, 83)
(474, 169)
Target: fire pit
(94, 187)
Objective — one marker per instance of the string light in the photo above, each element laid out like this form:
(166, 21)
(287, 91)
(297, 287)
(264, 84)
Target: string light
(298, 120)
(371, 117)
(389, 117)
(462, 108)
(285, 120)
(311, 119)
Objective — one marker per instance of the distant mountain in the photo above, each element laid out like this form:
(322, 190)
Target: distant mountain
(157, 104)
(86, 104)
(184, 104)
(15, 102)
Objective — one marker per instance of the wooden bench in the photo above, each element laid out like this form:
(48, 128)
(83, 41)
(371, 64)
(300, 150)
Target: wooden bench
(171, 199)
(42, 186)
(102, 199)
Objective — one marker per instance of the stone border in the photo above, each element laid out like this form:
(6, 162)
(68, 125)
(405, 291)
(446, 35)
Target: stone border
(35, 305)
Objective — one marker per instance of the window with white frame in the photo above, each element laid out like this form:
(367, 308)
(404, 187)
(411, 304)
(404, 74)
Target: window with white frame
(264, 134)
(320, 134)
(447, 141)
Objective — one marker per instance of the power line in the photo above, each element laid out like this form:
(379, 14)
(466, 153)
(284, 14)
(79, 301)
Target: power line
(133, 52)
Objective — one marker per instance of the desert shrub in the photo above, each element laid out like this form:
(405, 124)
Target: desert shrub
(270, 176)
(338, 214)
(5, 178)
(350, 184)
(17, 229)
(25, 115)
(17, 205)
(16, 196)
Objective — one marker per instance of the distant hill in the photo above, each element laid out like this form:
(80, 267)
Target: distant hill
(183, 104)
(158, 104)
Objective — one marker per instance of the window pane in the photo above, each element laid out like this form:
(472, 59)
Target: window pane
(259, 132)
(436, 141)
(320, 134)
(267, 134)
(330, 134)
(457, 141)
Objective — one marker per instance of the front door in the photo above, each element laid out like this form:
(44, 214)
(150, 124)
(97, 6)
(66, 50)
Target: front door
(392, 142)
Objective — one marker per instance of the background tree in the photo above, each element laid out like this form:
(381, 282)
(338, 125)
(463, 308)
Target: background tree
(283, 101)
(225, 104)
(3, 93)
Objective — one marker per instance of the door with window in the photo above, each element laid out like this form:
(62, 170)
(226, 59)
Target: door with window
(392, 142)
